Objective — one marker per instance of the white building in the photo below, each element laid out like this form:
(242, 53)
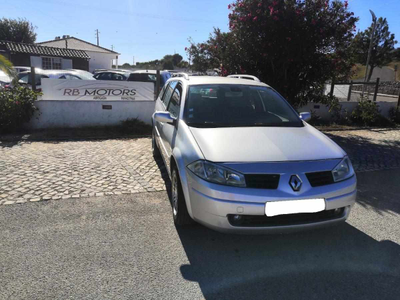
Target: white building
(100, 58)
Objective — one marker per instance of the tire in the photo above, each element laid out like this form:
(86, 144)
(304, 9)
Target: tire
(178, 203)
(156, 151)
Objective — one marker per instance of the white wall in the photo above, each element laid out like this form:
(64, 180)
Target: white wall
(99, 60)
(36, 61)
(67, 114)
(323, 111)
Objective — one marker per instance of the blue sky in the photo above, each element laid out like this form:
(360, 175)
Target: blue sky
(150, 29)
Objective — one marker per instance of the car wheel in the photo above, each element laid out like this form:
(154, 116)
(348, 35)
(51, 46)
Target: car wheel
(179, 209)
(156, 151)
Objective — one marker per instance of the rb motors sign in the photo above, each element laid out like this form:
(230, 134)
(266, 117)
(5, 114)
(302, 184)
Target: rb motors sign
(84, 90)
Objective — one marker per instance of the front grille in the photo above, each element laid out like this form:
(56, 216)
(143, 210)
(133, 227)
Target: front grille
(262, 181)
(320, 178)
(286, 220)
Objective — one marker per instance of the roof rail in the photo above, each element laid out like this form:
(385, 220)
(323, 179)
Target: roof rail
(244, 76)
(181, 74)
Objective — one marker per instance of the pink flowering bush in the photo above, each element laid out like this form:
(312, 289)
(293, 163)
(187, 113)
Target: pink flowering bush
(293, 45)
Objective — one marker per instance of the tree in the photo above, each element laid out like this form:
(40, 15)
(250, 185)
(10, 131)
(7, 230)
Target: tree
(294, 45)
(382, 46)
(20, 31)
(7, 67)
(176, 59)
(183, 64)
(396, 54)
(126, 66)
(168, 65)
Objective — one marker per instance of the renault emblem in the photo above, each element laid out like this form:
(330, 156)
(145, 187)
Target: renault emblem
(295, 182)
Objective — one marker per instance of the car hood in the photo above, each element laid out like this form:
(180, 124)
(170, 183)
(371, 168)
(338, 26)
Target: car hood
(265, 144)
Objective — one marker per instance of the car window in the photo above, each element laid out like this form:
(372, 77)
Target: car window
(70, 77)
(143, 77)
(237, 105)
(174, 103)
(117, 76)
(162, 92)
(105, 76)
(168, 92)
(26, 78)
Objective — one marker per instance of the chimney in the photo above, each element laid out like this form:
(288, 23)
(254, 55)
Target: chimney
(57, 38)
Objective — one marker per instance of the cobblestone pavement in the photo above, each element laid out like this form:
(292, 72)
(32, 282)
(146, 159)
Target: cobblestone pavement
(59, 170)
(36, 171)
(370, 149)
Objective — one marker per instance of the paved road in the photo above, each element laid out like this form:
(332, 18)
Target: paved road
(126, 247)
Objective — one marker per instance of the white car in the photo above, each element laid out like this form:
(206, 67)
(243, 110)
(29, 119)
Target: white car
(242, 160)
(71, 74)
(244, 76)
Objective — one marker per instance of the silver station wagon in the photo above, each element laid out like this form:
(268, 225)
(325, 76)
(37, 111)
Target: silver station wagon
(242, 160)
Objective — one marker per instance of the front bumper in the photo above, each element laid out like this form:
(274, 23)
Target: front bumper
(211, 204)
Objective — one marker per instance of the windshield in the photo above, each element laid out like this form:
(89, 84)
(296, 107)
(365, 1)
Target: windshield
(85, 75)
(237, 106)
(25, 78)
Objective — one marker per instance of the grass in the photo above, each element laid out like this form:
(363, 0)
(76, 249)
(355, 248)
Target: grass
(359, 70)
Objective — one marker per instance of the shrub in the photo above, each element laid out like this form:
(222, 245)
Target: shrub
(394, 115)
(16, 107)
(367, 114)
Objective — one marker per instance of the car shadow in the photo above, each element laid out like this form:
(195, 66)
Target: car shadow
(379, 190)
(335, 263)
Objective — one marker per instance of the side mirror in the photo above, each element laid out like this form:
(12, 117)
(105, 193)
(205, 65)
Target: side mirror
(305, 116)
(164, 117)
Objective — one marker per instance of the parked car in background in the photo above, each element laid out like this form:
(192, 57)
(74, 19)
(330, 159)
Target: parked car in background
(242, 160)
(21, 69)
(111, 75)
(105, 70)
(4, 79)
(72, 74)
(149, 76)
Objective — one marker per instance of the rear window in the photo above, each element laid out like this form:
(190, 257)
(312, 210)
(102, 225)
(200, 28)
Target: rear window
(143, 77)
(26, 78)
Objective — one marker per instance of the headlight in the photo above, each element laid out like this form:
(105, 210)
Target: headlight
(216, 173)
(343, 170)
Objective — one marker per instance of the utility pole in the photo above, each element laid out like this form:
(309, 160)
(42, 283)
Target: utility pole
(133, 61)
(97, 36)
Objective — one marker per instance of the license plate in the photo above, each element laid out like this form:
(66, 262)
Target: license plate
(287, 207)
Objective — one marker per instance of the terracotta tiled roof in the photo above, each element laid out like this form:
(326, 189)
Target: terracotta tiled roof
(43, 50)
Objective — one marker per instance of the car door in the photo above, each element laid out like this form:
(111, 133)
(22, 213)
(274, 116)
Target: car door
(161, 105)
(168, 131)
(117, 76)
(104, 76)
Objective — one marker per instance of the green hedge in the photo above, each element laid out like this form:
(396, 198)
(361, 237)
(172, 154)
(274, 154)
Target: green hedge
(16, 107)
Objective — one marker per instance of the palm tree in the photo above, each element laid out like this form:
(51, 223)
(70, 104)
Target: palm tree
(7, 67)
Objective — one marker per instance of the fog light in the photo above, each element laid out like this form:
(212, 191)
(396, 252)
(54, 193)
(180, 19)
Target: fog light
(237, 218)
